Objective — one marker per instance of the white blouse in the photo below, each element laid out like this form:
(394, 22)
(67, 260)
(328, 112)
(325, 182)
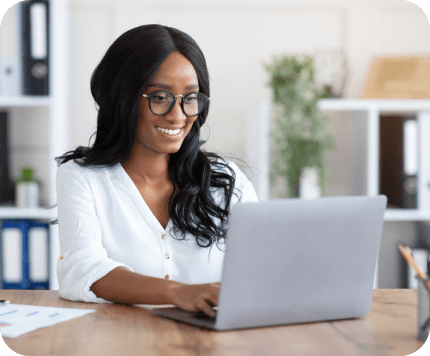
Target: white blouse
(105, 223)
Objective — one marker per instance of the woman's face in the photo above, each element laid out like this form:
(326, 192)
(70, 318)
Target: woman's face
(177, 75)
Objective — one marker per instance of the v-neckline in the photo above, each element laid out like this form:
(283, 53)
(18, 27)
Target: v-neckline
(141, 203)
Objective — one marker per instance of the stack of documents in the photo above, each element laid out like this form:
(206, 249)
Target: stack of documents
(18, 319)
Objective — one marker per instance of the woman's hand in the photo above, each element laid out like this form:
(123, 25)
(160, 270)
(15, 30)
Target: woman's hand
(195, 297)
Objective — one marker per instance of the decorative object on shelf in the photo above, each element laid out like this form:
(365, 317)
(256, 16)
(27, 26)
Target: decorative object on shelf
(27, 189)
(400, 77)
(309, 187)
(331, 71)
(301, 136)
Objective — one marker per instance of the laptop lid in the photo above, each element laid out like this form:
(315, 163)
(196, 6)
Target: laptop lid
(293, 261)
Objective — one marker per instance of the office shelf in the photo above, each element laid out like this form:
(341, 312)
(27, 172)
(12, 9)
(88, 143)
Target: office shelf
(27, 213)
(25, 101)
(406, 215)
(56, 107)
(366, 113)
(382, 105)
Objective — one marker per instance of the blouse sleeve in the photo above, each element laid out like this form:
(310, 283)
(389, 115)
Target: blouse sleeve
(83, 259)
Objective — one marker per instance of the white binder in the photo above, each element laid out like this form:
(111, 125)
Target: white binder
(11, 69)
(14, 254)
(38, 273)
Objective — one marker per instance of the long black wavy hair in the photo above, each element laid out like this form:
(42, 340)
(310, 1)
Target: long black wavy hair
(117, 84)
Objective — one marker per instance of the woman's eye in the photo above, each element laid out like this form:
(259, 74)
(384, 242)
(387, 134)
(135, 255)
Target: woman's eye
(160, 98)
(191, 99)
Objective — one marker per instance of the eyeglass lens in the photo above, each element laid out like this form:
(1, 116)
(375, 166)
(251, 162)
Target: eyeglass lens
(162, 102)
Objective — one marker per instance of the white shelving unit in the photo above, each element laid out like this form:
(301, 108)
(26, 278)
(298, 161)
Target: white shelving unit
(25, 101)
(368, 112)
(364, 114)
(57, 104)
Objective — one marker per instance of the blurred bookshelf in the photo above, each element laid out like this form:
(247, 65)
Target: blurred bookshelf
(24, 101)
(366, 115)
(55, 107)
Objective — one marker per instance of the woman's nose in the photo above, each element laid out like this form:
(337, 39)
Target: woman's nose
(177, 109)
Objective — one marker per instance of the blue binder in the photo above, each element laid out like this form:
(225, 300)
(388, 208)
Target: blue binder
(38, 255)
(14, 254)
(24, 254)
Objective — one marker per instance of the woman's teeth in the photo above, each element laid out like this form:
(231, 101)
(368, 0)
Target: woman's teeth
(170, 132)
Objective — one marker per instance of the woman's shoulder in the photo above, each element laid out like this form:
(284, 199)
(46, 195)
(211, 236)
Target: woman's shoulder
(242, 183)
(73, 168)
(229, 167)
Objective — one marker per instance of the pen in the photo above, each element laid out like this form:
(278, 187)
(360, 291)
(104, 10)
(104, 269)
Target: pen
(407, 255)
(4, 302)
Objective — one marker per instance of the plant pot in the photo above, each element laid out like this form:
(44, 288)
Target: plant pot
(306, 154)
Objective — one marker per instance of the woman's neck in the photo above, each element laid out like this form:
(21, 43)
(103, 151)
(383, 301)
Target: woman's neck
(147, 167)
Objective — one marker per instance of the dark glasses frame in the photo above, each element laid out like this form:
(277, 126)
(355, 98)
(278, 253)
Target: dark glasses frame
(150, 96)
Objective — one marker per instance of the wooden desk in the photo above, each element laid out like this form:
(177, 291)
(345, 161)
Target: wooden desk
(114, 329)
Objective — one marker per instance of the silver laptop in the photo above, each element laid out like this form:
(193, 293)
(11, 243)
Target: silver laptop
(294, 261)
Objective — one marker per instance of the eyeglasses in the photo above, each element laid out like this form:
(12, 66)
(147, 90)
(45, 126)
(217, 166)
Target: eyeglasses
(161, 102)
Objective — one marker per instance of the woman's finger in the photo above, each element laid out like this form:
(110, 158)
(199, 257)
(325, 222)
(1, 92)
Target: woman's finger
(204, 306)
(213, 299)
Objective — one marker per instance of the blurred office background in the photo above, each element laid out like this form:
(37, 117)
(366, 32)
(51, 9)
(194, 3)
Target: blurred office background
(238, 37)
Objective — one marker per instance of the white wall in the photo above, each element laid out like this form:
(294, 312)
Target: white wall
(237, 37)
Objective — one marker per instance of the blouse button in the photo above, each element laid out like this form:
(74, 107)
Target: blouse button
(164, 236)
(166, 256)
(167, 276)
(61, 257)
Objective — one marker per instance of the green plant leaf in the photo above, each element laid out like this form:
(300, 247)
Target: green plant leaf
(301, 136)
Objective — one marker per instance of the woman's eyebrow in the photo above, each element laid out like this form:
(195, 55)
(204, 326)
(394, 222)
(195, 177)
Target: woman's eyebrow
(165, 86)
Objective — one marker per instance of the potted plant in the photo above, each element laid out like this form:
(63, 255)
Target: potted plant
(300, 136)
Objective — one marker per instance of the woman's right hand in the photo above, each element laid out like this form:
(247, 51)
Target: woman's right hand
(195, 297)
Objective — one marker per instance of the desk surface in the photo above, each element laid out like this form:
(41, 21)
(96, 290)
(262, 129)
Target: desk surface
(115, 329)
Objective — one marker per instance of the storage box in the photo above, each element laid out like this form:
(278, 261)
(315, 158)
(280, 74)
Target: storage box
(401, 77)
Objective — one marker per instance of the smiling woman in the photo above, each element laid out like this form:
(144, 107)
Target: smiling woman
(162, 124)
(140, 210)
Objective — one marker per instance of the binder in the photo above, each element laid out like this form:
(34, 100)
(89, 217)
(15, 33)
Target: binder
(35, 26)
(14, 254)
(11, 72)
(24, 254)
(399, 160)
(410, 163)
(38, 255)
(7, 191)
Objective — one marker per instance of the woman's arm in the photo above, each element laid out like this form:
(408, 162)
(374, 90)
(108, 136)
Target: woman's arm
(124, 286)
(86, 273)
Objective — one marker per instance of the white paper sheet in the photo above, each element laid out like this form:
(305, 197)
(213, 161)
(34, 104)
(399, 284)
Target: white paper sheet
(18, 319)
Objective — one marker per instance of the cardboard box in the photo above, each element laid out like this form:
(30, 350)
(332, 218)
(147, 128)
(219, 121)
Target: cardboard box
(401, 77)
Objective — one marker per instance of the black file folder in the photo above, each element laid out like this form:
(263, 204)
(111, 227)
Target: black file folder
(398, 160)
(7, 189)
(35, 25)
